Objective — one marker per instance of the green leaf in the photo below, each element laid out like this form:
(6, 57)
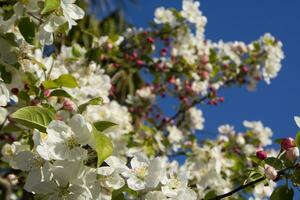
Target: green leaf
(7, 55)
(274, 162)
(103, 146)
(50, 84)
(282, 192)
(297, 139)
(67, 80)
(27, 29)
(50, 5)
(103, 125)
(95, 101)
(34, 117)
(210, 195)
(60, 93)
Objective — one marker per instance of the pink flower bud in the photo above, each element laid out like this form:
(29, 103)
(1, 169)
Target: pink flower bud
(292, 153)
(139, 62)
(270, 172)
(205, 75)
(288, 143)
(47, 93)
(261, 154)
(69, 105)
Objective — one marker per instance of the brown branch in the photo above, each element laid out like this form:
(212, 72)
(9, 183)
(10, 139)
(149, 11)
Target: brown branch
(281, 172)
(181, 111)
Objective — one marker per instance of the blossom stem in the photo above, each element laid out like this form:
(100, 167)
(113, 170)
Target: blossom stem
(6, 188)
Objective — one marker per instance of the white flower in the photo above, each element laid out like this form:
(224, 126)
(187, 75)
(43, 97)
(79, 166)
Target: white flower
(262, 192)
(262, 133)
(93, 83)
(9, 152)
(175, 187)
(175, 135)
(196, 119)
(71, 12)
(144, 173)
(275, 54)
(112, 112)
(146, 93)
(226, 129)
(4, 94)
(63, 142)
(163, 16)
(66, 182)
(3, 115)
(49, 27)
(155, 195)
(111, 177)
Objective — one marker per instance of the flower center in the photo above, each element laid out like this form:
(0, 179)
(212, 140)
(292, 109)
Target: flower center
(72, 142)
(141, 172)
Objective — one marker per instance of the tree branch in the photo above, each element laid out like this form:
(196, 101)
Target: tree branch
(181, 111)
(281, 172)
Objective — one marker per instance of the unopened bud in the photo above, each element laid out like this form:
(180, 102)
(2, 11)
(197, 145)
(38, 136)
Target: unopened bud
(292, 153)
(69, 105)
(270, 172)
(13, 179)
(261, 154)
(47, 93)
(288, 143)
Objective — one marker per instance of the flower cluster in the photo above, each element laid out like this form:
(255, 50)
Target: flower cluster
(83, 115)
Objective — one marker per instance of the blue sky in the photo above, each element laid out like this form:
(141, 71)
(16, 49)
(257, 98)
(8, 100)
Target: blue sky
(274, 104)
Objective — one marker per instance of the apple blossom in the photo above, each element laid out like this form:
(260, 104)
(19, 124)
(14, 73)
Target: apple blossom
(292, 153)
(270, 172)
(288, 143)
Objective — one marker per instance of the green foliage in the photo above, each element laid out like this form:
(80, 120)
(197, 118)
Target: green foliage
(50, 5)
(103, 125)
(103, 146)
(65, 80)
(95, 101)
(34, 117)
(282, 192)
(7, 56)
(297, 139)
(60, 93)
(27, 29)
(274, 162)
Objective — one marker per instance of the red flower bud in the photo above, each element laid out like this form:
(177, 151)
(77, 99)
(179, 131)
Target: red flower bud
(261, 154)
(150, 40)
(288, 143)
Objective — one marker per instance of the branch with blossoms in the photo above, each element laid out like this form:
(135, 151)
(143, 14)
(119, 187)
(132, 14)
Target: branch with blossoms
(82, 109)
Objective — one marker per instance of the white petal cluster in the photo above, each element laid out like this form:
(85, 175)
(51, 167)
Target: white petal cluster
(164, 16)
(275, 54)
(195, 118)
(262, 133)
